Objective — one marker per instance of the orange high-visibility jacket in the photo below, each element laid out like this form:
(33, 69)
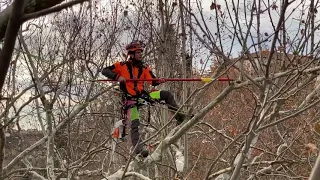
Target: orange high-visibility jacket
(129, 71)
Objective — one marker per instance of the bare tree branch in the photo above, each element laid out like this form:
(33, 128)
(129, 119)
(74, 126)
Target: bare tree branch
(30, 6)
(58, 8)
(315, 173)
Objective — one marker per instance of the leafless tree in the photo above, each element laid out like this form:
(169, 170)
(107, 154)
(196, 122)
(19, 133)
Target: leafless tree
(276, 69)
(261, 125)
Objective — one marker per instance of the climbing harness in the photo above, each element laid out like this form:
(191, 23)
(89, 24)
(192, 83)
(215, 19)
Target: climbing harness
(143, 99)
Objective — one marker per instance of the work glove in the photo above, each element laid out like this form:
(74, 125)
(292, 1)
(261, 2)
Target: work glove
(161, 80)
(121, 79)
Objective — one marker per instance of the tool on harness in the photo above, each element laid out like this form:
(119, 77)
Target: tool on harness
(119, 130)
(140, 100)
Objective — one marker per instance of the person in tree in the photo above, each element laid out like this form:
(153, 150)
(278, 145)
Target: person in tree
(134, 68)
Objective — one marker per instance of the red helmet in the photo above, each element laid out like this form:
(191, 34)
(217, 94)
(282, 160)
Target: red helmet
(134, 46)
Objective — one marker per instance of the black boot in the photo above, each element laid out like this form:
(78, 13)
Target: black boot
(180, 118)
(172, 105)
(144, 152)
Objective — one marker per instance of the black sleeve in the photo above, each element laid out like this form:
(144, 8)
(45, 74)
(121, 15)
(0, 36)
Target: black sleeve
(154, 83)
(108, 72)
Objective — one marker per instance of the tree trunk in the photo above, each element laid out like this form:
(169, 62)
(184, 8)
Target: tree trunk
(5, 56)
(10, 38)
(2, 143)
(50, 145)
(185, 72)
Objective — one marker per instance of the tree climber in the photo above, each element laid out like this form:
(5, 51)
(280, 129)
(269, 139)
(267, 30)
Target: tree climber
(134, 68)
